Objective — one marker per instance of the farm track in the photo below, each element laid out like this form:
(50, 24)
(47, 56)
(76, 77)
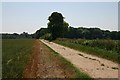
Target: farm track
(43, 64)
(94, 66)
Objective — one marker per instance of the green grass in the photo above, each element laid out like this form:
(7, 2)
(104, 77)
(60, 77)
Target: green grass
(110, 55)
(70, 66)
(15, 53)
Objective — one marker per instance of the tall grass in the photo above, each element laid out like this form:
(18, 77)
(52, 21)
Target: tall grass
(15, 54)
(101, 48)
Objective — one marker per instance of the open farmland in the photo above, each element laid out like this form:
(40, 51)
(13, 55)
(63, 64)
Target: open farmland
(15, 53)
(27, 58)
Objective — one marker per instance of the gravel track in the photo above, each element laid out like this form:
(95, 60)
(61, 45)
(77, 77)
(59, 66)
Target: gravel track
(94, 66)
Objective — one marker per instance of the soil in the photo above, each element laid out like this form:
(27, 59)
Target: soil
(95, 66)
(44, 64)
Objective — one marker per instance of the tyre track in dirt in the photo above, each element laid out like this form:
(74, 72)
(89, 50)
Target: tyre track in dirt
(43, 64)
(94, 66)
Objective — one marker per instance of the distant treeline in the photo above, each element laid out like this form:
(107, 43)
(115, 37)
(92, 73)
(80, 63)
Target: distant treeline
(16, 35)
(83, 33)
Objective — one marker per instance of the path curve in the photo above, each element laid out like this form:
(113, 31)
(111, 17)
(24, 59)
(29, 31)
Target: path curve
(94, 66)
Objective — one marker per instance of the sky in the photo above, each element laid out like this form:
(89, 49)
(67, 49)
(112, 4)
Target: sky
(18, 17)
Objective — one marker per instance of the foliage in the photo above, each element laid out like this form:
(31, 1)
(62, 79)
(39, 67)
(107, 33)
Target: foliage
(46, 36)
(86, 33)
(40, 33)
(17, 36)
(56, 25)
(91, 33)
(15, 53)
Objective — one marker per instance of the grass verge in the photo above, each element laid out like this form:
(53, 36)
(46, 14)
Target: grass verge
(15, 53)
(70, 66)
(113, 56)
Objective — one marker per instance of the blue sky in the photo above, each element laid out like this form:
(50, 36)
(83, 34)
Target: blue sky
(31, 16)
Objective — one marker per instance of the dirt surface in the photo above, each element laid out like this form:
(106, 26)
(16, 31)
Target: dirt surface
(94, 66)
(43, 64)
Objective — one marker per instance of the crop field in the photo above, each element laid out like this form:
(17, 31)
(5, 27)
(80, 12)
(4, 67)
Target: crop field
(15, 53)
(108, 49)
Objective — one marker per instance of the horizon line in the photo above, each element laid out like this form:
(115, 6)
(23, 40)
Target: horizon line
(69, 26)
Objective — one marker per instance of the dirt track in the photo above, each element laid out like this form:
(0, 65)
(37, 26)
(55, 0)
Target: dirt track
(94, 66)
(43, 64)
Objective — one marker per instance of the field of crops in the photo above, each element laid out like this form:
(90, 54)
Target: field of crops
(109, 49)
(15, 53)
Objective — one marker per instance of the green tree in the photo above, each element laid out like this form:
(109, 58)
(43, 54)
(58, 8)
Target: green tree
(65, 29)
(39, 33)
(114, 35)
(56, 25)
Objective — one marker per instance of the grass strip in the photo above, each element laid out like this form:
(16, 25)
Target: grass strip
(110, 55)
(70, 66)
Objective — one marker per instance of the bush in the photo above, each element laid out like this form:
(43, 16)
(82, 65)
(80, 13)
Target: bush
(47, 36)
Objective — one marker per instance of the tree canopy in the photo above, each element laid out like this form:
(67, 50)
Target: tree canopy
(57, 26)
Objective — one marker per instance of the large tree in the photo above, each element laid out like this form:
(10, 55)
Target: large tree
(56, 25)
